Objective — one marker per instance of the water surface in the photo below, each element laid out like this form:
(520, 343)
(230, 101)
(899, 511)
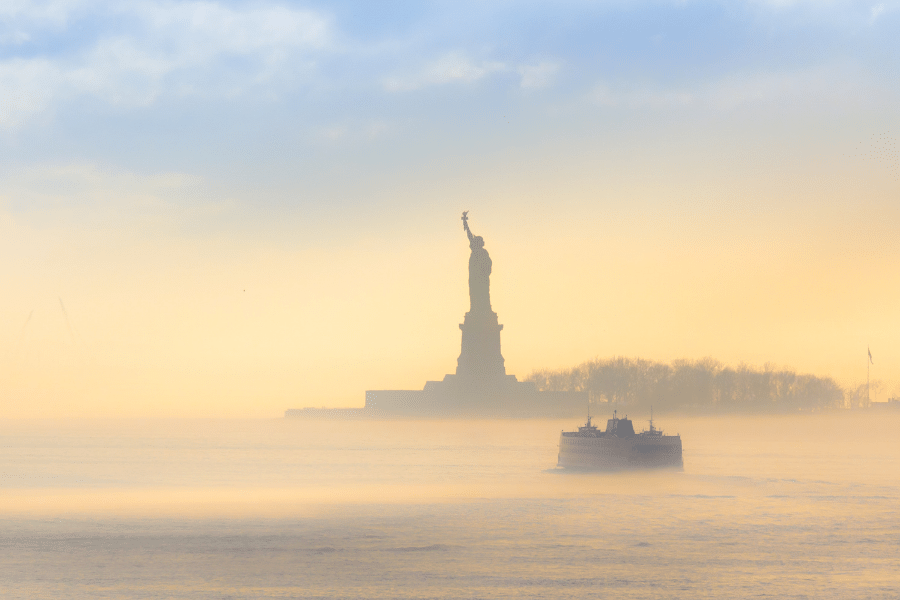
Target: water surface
(767, 507)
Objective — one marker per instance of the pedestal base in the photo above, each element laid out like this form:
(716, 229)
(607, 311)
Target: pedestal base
(480, 365)
(513, 399)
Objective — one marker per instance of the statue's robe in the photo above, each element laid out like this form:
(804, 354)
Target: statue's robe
(480, 281)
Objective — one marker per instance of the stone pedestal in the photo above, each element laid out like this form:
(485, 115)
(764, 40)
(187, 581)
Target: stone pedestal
(480, 365)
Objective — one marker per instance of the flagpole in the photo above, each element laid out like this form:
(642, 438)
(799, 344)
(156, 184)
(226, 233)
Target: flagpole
(868, 367)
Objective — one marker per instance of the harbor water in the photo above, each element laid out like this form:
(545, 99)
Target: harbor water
(787, 506)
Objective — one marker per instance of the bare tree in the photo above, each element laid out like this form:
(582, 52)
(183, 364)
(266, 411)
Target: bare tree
(702, 384)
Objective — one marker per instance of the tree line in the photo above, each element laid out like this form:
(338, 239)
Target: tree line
(702, 385)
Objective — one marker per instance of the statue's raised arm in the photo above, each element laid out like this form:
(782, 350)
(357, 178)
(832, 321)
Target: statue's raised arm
(465, 220)
(479, 271)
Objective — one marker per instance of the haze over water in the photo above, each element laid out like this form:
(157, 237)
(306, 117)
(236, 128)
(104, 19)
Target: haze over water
(775, 506)
(227, 209)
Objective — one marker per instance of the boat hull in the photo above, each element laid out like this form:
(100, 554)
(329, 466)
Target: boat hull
(614, 453)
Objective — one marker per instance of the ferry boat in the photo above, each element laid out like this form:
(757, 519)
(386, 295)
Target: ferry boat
(619, 447)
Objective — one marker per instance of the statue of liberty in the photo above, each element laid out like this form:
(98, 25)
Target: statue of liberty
(479, 272)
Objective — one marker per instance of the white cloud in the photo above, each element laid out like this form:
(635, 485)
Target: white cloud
(457, 67)
(355, 132)
(55, 12)
(539, 75)
(190, 48)
(449, 68)
(27, 87)
(836, 85)
(841, 85)
(14, 38)
(201, 30)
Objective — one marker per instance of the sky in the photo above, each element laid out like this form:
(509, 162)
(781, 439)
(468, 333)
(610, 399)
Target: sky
(228, 209)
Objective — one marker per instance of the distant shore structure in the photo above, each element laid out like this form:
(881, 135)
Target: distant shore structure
(480, 387)
(889, 404)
